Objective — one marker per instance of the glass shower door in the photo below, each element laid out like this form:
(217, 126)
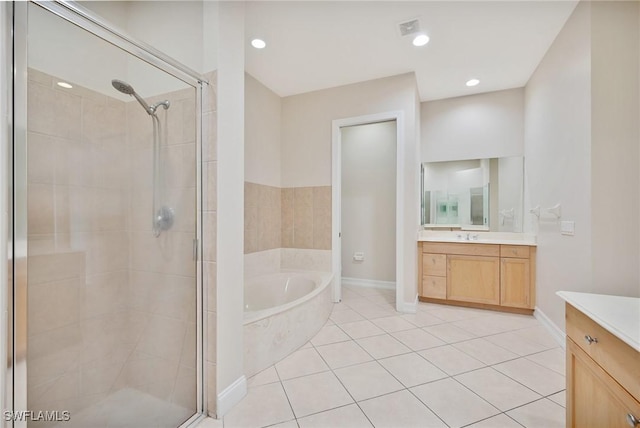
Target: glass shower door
(111, 229)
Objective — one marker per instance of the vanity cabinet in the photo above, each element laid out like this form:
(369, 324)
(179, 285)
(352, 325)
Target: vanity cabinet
(481, 275)
(603, 376)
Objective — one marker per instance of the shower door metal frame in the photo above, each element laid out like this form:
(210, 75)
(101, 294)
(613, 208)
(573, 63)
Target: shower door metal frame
(17, 29)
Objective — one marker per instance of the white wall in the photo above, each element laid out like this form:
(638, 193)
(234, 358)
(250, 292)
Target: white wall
(5, 54)
(558, 162)
(263, 136)
(369, 201)
(581, 149)
(615, 147)
(306, 146)
(231, 384)
(488, 125)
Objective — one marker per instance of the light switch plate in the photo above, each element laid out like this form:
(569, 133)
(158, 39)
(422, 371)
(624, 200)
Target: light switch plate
(568, 227)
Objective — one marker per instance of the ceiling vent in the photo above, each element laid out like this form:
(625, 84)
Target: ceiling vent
(409, 27)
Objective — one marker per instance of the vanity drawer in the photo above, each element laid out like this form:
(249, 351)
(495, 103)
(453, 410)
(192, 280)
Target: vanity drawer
(620, 360)
(515, 251)
(434, 287)
(465, 249)
(434, 264)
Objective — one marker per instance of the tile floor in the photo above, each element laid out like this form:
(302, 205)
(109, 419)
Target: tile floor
(441, 367)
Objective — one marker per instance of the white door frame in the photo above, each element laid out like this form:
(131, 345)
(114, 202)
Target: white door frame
(336, 195)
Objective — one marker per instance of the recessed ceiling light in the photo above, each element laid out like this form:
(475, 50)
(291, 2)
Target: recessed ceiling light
(258, 43)
(420, 40)
(472, 82)
(65, 85)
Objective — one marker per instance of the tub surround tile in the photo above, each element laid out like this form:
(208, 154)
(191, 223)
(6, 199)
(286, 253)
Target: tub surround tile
(287, 210)
(322, 218)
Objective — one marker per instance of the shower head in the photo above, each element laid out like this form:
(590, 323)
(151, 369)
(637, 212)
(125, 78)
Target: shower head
(126, 88)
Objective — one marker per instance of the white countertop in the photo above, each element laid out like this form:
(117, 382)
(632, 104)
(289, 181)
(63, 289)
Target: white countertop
(619, 315)
(505, 238)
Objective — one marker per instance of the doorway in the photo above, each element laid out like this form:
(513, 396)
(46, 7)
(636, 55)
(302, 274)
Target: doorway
(367, 203)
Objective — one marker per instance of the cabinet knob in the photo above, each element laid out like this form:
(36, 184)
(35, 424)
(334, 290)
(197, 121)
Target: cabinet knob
(590, 339)
(632, 420)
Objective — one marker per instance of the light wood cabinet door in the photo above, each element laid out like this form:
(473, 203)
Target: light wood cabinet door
(473, 279)
(595, 399)
(434, 287)
(515, 283)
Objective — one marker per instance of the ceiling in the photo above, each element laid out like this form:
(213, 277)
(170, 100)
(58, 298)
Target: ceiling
(314, 45)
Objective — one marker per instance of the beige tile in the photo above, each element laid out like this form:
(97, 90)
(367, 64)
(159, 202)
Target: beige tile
(451, 360)
(301, 363)
(541, 413)
(499, 390)
(184, 393)
(538, 378)
(188, 357)
(210, 136)
(212, 323)
(343, 417)
(41, 208)
(211, 186)
(103, 294)
(449, 333)
(412, 369)
(54, 305)
(163, 338)
(287, 209)
(250, 217)
(518, 343)
(417, 339)
(383, 346)
(559, 398)
(210, 275)
(316, 393)
(101, 120)
(400, 409)
(341, 317)
(554, 359)
(367, 380)
(40, 167)
(210, 423)
(498, 421)
(453, 403)
(268, 375)
(210, 232)
(392, 324)
(485, 351)
(36, 76)
(343, 354)
(264, 405)
(54, 267)
(360, 329)
(53, 112)
(420, 319)
(269, 217)
(303, 217)
(322, 218)
(329, 334)
(211, 386)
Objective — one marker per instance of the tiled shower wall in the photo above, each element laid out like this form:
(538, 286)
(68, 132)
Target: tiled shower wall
(295, 217)
(110, 306)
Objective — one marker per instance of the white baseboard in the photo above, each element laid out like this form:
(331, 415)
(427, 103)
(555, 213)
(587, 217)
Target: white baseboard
(371, 283)
(231, 396)
(551, 327)
(408, 308)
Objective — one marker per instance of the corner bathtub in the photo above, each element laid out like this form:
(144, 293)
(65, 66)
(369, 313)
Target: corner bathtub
(283, 311)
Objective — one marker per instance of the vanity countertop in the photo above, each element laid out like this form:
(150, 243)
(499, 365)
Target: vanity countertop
(618, 315)
(504, 238)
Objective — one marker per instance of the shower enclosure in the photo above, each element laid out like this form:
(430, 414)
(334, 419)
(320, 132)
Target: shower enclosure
(105, 246)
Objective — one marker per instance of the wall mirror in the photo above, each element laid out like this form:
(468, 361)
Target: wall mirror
(475, 194)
